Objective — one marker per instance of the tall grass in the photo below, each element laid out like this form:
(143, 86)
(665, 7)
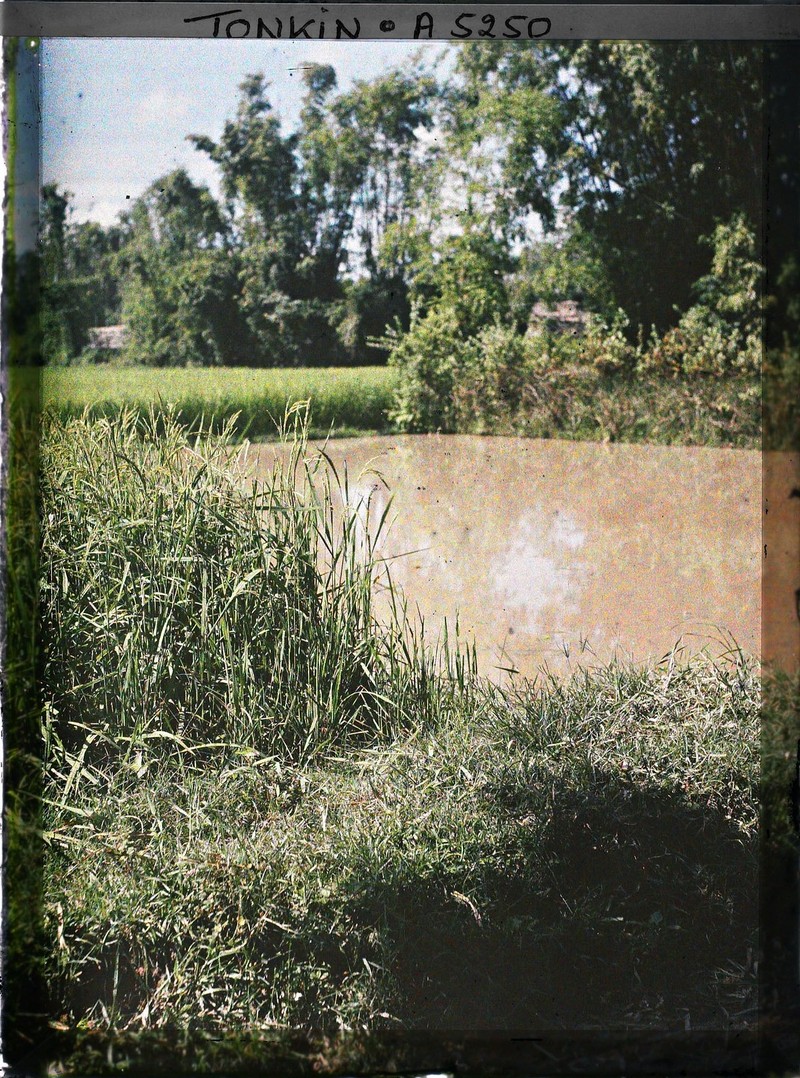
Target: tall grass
(179, 605)
(249, 401)
(21, 699)
(265, 809)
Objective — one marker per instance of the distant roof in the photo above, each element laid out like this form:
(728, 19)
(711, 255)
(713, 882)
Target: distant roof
(111, 337)
(566, 311)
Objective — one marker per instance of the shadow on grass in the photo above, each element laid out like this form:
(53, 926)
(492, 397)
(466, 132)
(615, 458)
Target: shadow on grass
(624, 937)
(640, 912)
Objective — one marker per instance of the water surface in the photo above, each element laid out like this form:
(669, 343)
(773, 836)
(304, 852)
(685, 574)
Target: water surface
(565, 553)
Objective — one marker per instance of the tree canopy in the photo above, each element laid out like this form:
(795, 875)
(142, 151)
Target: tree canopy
(532, 172)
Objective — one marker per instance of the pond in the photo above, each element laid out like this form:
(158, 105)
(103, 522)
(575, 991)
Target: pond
(559, 553)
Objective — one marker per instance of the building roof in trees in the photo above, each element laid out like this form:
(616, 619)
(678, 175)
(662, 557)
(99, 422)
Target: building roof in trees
(565, 317)
(110, 337)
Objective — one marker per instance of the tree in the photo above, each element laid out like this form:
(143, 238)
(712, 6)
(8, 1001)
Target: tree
(304, 205)
(79, 279)
(180, 291)
(565, 267)
(645, 146)
(287, 280)
(58, 298)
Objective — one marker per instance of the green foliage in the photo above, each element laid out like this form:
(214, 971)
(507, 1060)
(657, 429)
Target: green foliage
(180, 285)
(468, 276)
(458, 371)
(733, 288)
(607, 345)
(372, 304)
(382, 120)
(722, 333)
(547, 385)
(637, 158)
(493, 378)
(181, 609)
(430, 360)
(243, 892)
(251, 401)
(554, 270)
(79, 279)
(459, 291)
(304, 203)
(644, 145)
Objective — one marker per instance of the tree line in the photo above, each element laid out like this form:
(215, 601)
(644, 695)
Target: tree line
(626, 176)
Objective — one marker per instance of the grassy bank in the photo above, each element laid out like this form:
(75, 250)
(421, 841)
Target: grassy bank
(577, 402)
(556, 859)
(343, 398)
(264, 810)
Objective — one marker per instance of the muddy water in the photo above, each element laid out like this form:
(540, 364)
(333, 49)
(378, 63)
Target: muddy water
(563, 553)
(781, 559)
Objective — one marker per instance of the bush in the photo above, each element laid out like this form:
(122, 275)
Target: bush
(448, 382)
(496, 369)
(721, 334)
(704, 345)
(555, 386)
(607, 347)
(431, 360)
(177, 605)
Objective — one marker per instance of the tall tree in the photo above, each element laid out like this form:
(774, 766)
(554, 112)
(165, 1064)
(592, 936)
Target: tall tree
(309, 205)
(286, 277)
(180, 292)
(647, 146)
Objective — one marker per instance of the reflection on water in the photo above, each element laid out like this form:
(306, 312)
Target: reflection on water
(563, 553)
(526, 577)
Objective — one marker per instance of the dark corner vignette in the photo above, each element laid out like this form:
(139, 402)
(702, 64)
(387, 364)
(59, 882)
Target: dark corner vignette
(24, 1013)
(780, 749)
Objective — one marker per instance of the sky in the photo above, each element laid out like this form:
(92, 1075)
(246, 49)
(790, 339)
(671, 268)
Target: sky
(116, 112)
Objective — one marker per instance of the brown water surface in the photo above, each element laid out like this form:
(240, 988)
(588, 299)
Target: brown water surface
(565, 553)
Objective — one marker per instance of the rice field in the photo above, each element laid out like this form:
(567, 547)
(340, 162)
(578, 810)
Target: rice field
(574, 404)
(344, 400)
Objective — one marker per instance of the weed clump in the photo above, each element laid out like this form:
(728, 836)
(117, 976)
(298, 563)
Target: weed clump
(181, 608)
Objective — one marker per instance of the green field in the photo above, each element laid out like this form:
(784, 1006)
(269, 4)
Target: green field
(343, 399)
(577, 403)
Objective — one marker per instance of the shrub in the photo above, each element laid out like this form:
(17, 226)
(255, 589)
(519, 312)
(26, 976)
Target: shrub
(703, 344)
(721, 334)
(495, 372)
(178, 605)
(606, 345)
(430, 359)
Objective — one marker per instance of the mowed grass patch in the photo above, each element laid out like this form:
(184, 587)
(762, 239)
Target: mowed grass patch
(252, 402)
